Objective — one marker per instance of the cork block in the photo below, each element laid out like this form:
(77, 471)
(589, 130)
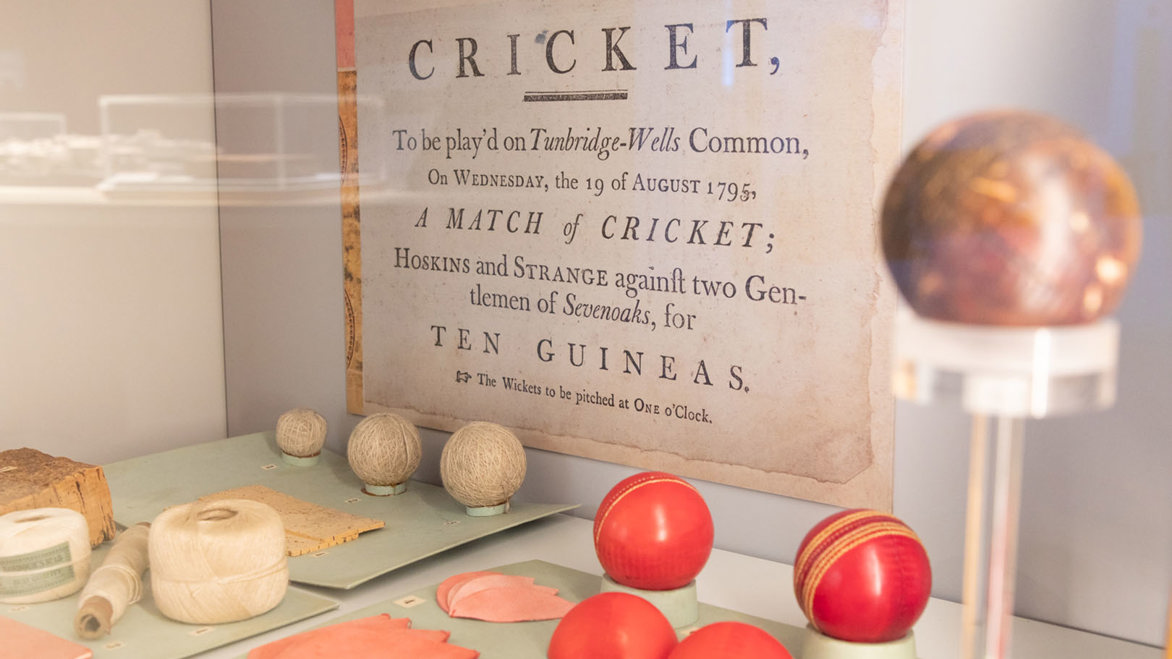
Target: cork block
(308, 526)
(32, 479)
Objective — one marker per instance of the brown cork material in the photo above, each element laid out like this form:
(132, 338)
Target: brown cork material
(31, 479)
(308, 526)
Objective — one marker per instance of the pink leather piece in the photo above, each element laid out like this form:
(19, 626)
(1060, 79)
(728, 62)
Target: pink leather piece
(444, 590)
(512, 604)
(376, 637)
(21, 641)
(484, 582)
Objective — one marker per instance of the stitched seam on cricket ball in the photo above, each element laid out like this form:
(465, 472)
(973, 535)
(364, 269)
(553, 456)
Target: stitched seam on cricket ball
(631, 488)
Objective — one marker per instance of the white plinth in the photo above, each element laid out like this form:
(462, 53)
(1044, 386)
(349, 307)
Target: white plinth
(817, 645)
(680, 606)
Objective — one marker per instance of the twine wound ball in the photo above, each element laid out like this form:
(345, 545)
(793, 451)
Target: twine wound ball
(384, 450)
(44, 554)
(1010, 219)
(214, 562)
(301, 433)
(482, 465)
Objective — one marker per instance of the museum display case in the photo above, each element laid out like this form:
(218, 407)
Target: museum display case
(641, 238)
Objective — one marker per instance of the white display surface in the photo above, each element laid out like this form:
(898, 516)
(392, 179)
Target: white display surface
(733, 581)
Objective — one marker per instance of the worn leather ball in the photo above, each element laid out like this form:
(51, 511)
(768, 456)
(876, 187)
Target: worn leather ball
(1010, 219)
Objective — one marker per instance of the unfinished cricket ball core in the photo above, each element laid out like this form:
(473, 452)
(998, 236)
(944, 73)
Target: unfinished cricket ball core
(301, 433)
(1011, 219)
(483, 466)
(384, 450)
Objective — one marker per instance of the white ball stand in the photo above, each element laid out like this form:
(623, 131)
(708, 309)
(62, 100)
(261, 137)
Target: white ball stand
(816, 645)
(680, 606)
(301, 461)
(384, 490)
(1003, 375)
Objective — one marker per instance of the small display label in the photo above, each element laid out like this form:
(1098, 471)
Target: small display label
(410, 601)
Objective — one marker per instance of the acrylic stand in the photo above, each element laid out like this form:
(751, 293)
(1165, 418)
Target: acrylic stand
(1000, 376)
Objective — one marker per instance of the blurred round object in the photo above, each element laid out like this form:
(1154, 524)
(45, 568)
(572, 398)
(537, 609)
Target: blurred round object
(482, 466)
(1011, 219)
(862, 576)
(730, 639)
(653, 531)
(612, 626)
(300, 435)
(384, 450)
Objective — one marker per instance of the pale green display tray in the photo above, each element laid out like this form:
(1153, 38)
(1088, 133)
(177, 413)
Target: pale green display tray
(530, 640)
(423, 521)
(145, 633)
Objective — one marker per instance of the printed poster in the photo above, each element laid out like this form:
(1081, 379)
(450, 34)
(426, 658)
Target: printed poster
(641, 232)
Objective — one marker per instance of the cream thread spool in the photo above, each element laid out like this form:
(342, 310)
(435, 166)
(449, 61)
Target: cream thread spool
(218, 561)
(44, 554)
(483, 466)
(115, 585)
(301, 433)
(384, 450)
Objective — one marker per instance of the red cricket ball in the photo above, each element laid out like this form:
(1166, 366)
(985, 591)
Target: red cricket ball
(612, 625)
(653, 531)
(862, 576)
(730, 639)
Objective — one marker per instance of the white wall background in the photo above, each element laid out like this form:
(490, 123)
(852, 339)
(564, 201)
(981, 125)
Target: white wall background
(111, 341)
(110, 321)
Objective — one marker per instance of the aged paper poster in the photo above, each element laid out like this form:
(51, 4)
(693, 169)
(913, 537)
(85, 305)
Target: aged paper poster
(351, 222)
(642, 232)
